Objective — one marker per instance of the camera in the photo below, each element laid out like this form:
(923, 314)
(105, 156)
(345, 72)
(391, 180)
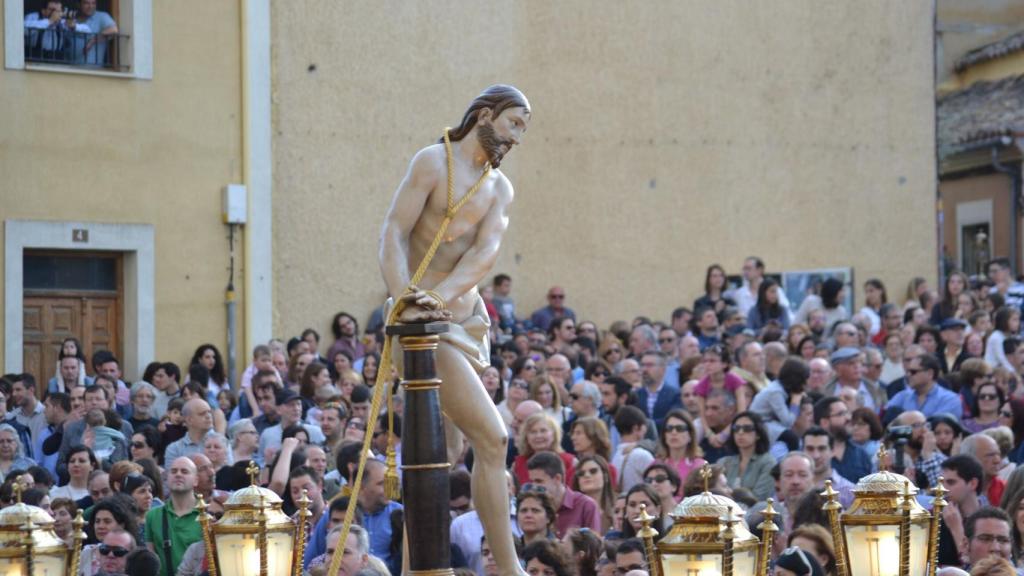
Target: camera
(898, 436)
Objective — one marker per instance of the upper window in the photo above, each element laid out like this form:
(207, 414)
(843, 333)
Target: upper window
(102, 36)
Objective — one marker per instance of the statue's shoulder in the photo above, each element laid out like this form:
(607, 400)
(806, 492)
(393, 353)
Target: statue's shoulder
(503, 191)
(433, 154)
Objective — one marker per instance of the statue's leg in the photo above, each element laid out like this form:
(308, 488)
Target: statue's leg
(465, 401)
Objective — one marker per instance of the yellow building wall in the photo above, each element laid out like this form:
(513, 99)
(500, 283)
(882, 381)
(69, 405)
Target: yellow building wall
(158, 152)
(666, 136)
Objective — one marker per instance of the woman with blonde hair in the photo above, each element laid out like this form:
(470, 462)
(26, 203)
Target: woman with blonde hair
(347, 380)
(609, 352)
(543, 392)
(540, 433)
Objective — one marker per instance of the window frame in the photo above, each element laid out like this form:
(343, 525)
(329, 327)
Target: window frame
(135, 15)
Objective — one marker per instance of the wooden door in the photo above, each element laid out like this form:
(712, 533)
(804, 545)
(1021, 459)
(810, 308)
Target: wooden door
(69, 295)
(49, 319)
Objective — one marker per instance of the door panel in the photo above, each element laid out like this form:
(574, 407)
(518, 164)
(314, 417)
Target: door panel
(93, 319)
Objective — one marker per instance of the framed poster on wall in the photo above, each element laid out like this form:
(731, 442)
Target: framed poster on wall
(799, 283)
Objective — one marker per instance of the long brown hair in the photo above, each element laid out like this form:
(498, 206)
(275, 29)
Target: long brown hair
(497, 98)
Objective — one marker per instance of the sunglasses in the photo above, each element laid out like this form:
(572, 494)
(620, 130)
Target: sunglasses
(139, 445)
(612, 351)
(1006, 414)
(656, 479)
(556, 296)
(589, 472)
(987, 397)
(520, 384)
(531, 487)
(357, 426)
(666, 340)
(915, 371)
(677, 428)
(117, 551)
(745, 428)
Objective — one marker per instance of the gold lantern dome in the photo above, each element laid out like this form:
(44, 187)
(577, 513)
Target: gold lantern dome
(28, 544)
(244, 505)
(885, 532)
(708, 536)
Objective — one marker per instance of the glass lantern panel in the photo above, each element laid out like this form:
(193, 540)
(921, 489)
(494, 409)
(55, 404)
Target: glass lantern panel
(279, 553)
(237, 554)
(694, 565)
(12, 567)
(745, 562)
(874, 550)
(918, 548)
(50, 565)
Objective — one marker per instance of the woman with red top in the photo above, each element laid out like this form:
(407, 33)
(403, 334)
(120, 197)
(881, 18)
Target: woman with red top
(540, 433)
(716, 361)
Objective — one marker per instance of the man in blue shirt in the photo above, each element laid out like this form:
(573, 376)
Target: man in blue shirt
(923, 392)
(91, 49)
(377, 509)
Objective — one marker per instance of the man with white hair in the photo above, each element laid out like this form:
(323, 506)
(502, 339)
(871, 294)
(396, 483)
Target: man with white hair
(641, 339)
(750, 362)
(985, 450)
(820, 374)
(585, 398)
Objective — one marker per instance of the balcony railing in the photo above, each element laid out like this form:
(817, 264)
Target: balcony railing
(80, 49)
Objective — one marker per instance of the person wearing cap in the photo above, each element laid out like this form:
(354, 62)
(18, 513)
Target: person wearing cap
(951, 351)
(289, 409)
(198, 417)
(848, 364)
(923, 392)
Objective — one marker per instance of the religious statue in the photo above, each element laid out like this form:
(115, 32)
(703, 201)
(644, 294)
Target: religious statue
(440, 239)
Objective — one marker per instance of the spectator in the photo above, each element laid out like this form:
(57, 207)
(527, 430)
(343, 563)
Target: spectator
(376, 509)
(556, 308)
(141, 562)
(1006, 321)
(833, 415)
(81, 462)
(573, 509)
(656, 397)
(630, 556)
(631, 458)
(170, 529)
(11, 452)
(848, 364)
(986, 451)
(535, 516)
(91, 49)
(923, 393)
(750, 464)
(544, 557)
(819, 445)
(539, 433)
(778, 404)
(677, 443)
(595, 480)
(143, 397)
(199, 423)
(988, 535)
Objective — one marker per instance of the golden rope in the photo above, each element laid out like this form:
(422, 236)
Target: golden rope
(384, 367)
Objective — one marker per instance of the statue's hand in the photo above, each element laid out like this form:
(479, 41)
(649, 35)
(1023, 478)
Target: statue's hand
(421, 298)
(415, 314)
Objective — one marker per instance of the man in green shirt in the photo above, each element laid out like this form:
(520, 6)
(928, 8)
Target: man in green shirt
(178, 518)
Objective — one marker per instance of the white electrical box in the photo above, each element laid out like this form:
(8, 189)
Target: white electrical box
(235, 207)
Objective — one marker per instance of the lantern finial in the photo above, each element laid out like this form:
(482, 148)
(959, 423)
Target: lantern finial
(705, 474)
(648, 534)
(252, 470)
(882, 453)
(17, 487)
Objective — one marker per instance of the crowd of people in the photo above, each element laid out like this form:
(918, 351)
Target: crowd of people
(601, 422)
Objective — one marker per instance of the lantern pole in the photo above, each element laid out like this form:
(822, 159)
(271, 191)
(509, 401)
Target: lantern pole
(648, 533)
(905, 531)
(933, 541)
(300, 534)
(261, 538)
(832, 507)
(727, 537)
(78, 535)
(204, 525)
(768, 530)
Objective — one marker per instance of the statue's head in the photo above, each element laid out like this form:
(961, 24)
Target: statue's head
(499, 116)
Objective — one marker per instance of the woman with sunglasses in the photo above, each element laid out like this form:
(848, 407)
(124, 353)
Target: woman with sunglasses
(1011, 415)
(518, 391)
(609, 352)
(985, 408)
(593, 478)
(245, 441)
(677, 444)
(973, 373)
(666, 483)
(535, 514)
(750, 465)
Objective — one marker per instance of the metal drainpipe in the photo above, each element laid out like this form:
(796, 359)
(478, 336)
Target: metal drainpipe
(1015, 199)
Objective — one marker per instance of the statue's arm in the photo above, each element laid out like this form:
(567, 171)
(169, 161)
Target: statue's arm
(476, 262)
(405, 210)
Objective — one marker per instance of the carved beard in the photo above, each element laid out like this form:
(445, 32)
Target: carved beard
(491, 143)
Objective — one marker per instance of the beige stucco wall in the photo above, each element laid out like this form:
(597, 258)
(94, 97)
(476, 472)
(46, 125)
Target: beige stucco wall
(666, 135)
(98, 149)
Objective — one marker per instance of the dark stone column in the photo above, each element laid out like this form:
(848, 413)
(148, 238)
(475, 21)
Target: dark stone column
(425, 463)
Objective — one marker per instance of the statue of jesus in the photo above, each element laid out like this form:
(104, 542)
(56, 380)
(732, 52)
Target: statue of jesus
(440, 177)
